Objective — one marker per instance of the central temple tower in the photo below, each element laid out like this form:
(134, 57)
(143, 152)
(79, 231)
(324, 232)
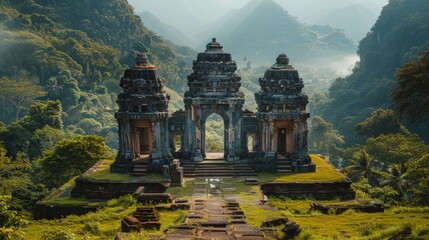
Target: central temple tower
(213, 88)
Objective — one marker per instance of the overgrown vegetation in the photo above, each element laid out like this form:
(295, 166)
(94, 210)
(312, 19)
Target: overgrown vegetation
(399, 36)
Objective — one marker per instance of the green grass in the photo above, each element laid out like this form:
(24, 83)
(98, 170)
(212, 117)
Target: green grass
(351, 224)
(105, 223)
(182, 192)
(61, 196)
(325, 172)
(102, 173)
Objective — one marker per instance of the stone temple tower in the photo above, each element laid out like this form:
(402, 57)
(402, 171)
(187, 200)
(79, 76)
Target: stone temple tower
(213, 88)
(142, 118)
(282, 118)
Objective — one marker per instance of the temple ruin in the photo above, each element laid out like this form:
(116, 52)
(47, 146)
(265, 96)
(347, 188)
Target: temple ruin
(147, 133)
(142, 117)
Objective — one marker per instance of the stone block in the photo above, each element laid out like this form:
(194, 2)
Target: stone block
(130, 224)
(138, 191)
(291, 230)
(154, 198)
(271, 222)
(151, 225)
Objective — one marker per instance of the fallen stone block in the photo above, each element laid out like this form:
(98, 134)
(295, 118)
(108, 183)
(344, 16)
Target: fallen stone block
(138, 191)
(272, 222)
(151, 225)
(291, 230)
(154, 198)
(130, 224)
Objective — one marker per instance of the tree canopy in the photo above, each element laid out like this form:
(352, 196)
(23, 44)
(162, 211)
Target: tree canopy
(411, 93)
(381, 121)
(71, 157)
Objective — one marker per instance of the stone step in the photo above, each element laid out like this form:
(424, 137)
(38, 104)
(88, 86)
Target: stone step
(140, 167)
(214, 167)
(224, 172)
(217, 167)
(138, 174)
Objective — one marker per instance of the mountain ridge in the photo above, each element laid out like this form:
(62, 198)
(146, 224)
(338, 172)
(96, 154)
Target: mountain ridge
(238, 35)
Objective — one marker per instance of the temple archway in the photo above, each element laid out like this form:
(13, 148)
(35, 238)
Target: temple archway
(214, 87)
(213, 139)
(250, 143)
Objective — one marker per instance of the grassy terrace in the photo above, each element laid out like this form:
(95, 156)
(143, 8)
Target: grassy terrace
(105, 223)
(61, 196)
(101, 172)
(325, 172)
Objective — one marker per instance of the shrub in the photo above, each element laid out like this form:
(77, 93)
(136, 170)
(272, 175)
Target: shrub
(58, 234)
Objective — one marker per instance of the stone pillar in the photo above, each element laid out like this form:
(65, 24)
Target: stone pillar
(271, 135)
(122, 138)
(173, 142)
(238, 133)
(128, 147)
(166, 137)
(275, 139)
(187, 137)
(289, 139)
(156, 152)
(296, 134)
(203, 138)
(196, 148)
(225, 138)
(267, 136)
(231, 153)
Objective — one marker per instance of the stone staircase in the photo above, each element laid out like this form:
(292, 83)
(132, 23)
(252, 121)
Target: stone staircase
(284, 163)
(140, 167)
(217, 168)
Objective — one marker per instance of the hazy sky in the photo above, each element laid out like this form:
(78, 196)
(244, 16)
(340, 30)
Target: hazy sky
(308, 11)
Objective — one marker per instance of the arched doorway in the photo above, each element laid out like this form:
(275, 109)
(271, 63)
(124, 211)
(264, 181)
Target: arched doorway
(214, 135)
(250, 143)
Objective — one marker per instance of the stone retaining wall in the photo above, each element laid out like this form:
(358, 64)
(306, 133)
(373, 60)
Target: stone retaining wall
(92, 189)
(316, 190)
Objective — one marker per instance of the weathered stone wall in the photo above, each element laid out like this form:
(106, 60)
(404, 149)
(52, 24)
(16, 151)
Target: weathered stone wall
(316, 190)
(91, 189)
(44, 211)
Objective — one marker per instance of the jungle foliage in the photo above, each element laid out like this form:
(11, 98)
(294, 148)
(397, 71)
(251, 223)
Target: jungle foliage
(400, 34)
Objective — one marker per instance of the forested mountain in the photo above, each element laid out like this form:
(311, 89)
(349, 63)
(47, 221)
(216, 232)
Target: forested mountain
(83, 35)
(399, 35)
(168, 32)
(75, 52)
(262, 29)
(355, 19)
(60, 65)
(189, 16)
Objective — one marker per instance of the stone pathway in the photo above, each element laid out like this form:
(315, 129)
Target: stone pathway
(212, 187)
(216, 214)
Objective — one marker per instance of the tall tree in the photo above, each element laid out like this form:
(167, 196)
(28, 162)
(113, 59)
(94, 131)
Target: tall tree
(71, 157)
(419, 181)
(396, 148)
(19, 94)
(323, 137)
(412, 88)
